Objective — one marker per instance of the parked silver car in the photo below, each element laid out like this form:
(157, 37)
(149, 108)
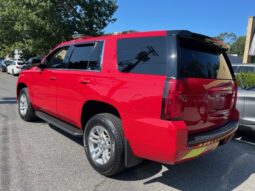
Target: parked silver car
(246, 104)
(243, 68)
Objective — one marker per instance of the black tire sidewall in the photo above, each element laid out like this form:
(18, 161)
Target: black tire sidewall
(115, 138)
(30, 111)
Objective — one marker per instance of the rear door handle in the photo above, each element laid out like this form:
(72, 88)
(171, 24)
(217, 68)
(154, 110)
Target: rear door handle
(53, 78)
(84, 81)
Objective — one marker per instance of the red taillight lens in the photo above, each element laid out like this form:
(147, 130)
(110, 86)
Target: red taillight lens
(173, 100)
(234, 115)
(235, 93)
(18, 67)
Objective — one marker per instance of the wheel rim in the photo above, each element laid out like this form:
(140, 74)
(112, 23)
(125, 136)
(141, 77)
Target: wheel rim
(100, 145)
(23, 104)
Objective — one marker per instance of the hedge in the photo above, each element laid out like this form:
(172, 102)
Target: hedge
(245, 80)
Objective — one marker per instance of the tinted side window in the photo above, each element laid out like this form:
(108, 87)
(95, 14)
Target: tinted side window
(96, 57)
(142, 55)
(80, 56)
(56, 60)
(86, 56)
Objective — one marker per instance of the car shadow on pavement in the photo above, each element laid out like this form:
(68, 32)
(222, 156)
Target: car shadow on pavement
(226, 168)
(8, 100)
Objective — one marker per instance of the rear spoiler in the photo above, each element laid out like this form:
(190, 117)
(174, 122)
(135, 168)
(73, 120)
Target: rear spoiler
(200, 37)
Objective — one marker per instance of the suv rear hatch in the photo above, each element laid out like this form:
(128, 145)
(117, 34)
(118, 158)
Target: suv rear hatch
(203, 94)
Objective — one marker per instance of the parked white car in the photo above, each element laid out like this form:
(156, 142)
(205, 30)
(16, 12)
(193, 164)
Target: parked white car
(15, 67)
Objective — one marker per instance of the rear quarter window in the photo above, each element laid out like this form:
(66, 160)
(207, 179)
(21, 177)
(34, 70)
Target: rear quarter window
(142, 55)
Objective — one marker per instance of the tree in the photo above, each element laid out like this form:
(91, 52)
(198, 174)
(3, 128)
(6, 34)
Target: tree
(238, 46)
(35, 26)
(227, 37)
(235, 43)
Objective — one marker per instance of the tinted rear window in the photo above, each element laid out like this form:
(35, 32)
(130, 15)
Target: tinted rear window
(8, 62)
(201, 60)
(142, 55)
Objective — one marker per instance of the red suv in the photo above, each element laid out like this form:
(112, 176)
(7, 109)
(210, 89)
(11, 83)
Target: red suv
(166, 96)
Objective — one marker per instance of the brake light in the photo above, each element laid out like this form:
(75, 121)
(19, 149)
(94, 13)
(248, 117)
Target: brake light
(18, 67)
(173, 100)
(234, 115)
(235, 93)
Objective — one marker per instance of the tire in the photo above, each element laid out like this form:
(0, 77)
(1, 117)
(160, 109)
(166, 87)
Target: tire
(26, 110)
(112, 129)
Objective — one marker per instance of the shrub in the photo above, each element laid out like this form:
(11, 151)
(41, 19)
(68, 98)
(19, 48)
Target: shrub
(246, 80)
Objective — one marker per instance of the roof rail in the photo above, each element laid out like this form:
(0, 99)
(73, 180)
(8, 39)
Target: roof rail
(122, 32)
(77, 36)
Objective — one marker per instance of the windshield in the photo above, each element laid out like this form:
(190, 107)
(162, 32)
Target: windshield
(8, 62)
(202, 60)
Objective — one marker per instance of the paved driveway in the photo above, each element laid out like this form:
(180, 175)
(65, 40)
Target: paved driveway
(35, 156)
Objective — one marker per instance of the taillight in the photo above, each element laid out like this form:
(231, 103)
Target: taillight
(18, 67)
(235, 93)
(234, 115)
(173, 99)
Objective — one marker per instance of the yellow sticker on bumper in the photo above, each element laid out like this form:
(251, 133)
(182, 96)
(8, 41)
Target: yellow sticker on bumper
(194, 153)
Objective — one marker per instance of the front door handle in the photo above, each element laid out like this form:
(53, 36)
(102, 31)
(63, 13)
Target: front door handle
(53, 78)
(84, 81)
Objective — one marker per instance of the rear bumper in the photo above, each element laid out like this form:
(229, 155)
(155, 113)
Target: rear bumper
(205, 142)
(217, 134)
(168, 141)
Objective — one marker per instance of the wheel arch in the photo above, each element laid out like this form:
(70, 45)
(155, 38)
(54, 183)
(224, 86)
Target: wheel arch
(93, 107)
(20, 86)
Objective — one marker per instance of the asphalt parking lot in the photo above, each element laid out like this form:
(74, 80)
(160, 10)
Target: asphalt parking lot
(35, 156)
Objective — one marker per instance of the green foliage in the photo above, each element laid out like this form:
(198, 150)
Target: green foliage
(35, 26)
(238, 46)
(227, 37)
(246, 80)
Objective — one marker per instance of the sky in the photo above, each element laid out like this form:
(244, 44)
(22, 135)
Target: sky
(209, 17)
